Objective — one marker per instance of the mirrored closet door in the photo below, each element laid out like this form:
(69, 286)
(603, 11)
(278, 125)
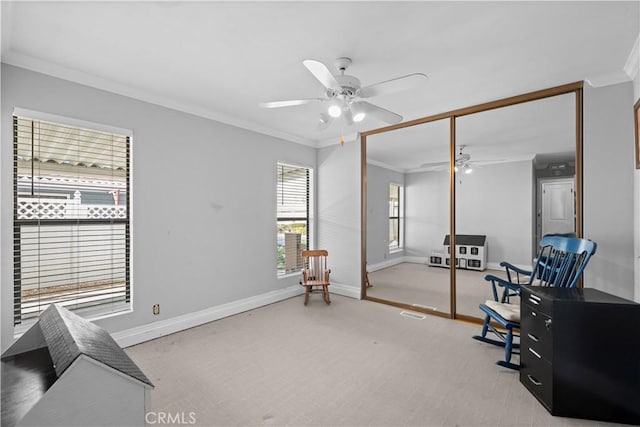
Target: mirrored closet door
(500, 174)
(407, 216)
(515, 173)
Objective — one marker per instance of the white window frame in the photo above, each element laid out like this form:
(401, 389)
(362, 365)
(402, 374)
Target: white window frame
(400, 246)
(310, 217)
(97, 312)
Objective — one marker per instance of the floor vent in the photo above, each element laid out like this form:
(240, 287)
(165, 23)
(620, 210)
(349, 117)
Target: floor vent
(412, 315)
(428, 307)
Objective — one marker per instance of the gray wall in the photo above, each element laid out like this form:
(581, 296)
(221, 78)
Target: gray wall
(378, 181)
(608, 187)
(426, 212)
(339, 200)
(203, 199)
(497, 201)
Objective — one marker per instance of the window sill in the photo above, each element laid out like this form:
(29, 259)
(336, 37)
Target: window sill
(91, 314)
(396, 250)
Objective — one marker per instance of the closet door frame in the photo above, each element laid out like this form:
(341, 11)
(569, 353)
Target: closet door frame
(576, 88)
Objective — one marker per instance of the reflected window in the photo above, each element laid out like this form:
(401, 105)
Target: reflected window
(395, 216)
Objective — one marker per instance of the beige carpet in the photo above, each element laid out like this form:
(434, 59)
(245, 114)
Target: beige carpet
(429, 287)
(353, 363)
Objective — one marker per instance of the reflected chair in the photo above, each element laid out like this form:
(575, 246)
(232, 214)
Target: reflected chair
(560, 263)
(315, 274)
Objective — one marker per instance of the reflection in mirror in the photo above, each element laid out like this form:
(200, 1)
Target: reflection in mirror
(515, 182)
(407, 216)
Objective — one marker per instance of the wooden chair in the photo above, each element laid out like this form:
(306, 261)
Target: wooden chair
(560, 263)
(315, 274)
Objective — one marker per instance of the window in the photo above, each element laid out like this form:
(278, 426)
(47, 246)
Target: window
(293, 203)
(71, 219)
(395, 225)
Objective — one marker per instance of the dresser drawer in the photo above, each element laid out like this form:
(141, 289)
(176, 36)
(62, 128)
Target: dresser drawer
(536, 333)
(542, 303)
(536, 375)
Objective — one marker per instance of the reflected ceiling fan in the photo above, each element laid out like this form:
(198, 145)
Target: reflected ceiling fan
(344, 94)
(463, 162)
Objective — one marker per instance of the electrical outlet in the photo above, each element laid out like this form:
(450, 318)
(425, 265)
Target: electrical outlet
(156, 309)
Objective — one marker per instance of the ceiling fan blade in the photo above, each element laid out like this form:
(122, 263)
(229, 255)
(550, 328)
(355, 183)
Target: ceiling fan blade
(322, 73)
(379, 112)
(289, 103)
(463, 158)
(393, 85)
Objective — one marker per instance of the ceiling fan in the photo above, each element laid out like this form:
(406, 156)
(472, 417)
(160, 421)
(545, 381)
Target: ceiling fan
(462, 163)
(344, 94)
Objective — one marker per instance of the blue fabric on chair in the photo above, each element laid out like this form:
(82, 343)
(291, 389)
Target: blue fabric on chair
(560, 262)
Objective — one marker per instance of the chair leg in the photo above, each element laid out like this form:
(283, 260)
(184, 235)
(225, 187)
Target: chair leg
(325, 290)
(508, 344)
(508, 347)
(485, 326)
(307, 289)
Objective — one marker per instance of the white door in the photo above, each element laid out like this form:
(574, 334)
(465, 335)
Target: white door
(558, 207)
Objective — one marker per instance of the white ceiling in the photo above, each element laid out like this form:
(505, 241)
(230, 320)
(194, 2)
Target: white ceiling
(542, 129)
(220, 59)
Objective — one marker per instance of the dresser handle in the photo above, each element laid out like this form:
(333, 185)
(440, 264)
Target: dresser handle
(533, 337)
(534, 301)
(534, 314)
(534, 381)
(535, 353)
(547, 323)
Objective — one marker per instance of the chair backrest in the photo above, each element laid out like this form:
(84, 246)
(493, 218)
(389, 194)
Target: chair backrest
(315, 264)
(562, 261)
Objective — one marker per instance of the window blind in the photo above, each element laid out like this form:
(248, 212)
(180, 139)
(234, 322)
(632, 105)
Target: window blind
(71, 219)
(292, 213)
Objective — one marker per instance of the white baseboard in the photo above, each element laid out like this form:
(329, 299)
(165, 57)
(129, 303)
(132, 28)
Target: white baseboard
(416, 259)
(395, 261)
(345, 290)
(384, 264)
(164, 327)
(425, 260)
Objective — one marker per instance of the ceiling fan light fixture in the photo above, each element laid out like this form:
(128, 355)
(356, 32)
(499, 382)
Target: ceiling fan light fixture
(343, 94)
(358, 112)
(335, 109)
(467, 169)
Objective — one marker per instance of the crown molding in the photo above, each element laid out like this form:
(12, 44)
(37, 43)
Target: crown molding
(632, 65)
(385, 166)
(627, 73)
(76, 76)
(352, 137)
(608, 79)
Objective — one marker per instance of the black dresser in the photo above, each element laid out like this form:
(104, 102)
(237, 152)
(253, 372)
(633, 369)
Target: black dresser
(580, 353)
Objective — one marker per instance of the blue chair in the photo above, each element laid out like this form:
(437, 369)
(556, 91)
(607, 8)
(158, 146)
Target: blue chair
(560, 262)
